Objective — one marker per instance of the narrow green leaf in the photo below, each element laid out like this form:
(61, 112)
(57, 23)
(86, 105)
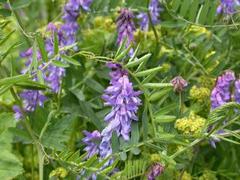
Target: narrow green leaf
(123, 53)
(134, 54)
(185, 7)
(14, 79)
(176, 4)
(204, 12)
(70, 60)
(157, 85)
(41, 46)
(59, 64)
(193, 10)
(138, 61)
(148, 72)
(28, 84)
(56, 48)
(164, 118)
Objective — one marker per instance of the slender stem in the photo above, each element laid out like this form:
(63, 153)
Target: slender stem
(186, 148)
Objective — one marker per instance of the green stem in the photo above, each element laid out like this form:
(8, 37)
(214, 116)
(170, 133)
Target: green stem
(31, 133)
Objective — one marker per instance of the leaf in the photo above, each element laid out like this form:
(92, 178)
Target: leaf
(41, 46)
(31, 85)
(164, 118)
(157, 85)
(70, 60)
(57, 133)
(10, 166)
(19, 4)
(138, 61)
(148, 72)
(14, 79)
(134, 169)
(56, 48)
(59, 64)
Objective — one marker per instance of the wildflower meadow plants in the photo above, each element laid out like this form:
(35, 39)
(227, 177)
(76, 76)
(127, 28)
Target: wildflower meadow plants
(128, 89)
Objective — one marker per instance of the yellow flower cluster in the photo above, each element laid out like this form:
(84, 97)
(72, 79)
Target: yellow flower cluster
(186, 176)
(104, 22)
(200, 30)
(155, 158)
(207, 82)
(208, 175)
(59, 172)
(141, 35)
(191, 125)
(200, 94)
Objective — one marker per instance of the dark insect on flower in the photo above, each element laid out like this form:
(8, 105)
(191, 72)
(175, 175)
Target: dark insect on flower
(179, 83)
(156, 170)
(125, 26)
(221, 93)
(92, 140)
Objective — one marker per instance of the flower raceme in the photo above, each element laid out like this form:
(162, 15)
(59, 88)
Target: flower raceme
(125, 27)
(227, 6)
(221, 93)
(154, 10)
(124, 102)
(92, 140)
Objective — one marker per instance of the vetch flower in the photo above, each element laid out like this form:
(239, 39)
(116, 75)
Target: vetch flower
(18, 112)
(124, 102)
(179, 83)
(125, 26)
(31, 99)
(237, 91)
(92, 140)
(227, 6)
(156, 170)
(154, 11)
(221, 93)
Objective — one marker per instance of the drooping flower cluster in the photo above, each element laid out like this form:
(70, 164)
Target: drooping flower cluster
(227, 6)
(221, 93)
(91, 140)
(125, 26)
(154, 10)
(124, 102)
(156, 170)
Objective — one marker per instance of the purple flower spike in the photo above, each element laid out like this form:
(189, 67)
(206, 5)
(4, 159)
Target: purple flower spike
(156, 170)
(18, 112)
(144, 23)
(227, 6)
(125, 26)
(221, 92)
(237, 91)
(32, 98)
(124, 102)
(154, 10)
(92, 141)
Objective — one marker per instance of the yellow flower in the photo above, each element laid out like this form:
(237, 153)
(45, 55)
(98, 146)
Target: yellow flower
(59, 172)
(200, 94)
(191, 125)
